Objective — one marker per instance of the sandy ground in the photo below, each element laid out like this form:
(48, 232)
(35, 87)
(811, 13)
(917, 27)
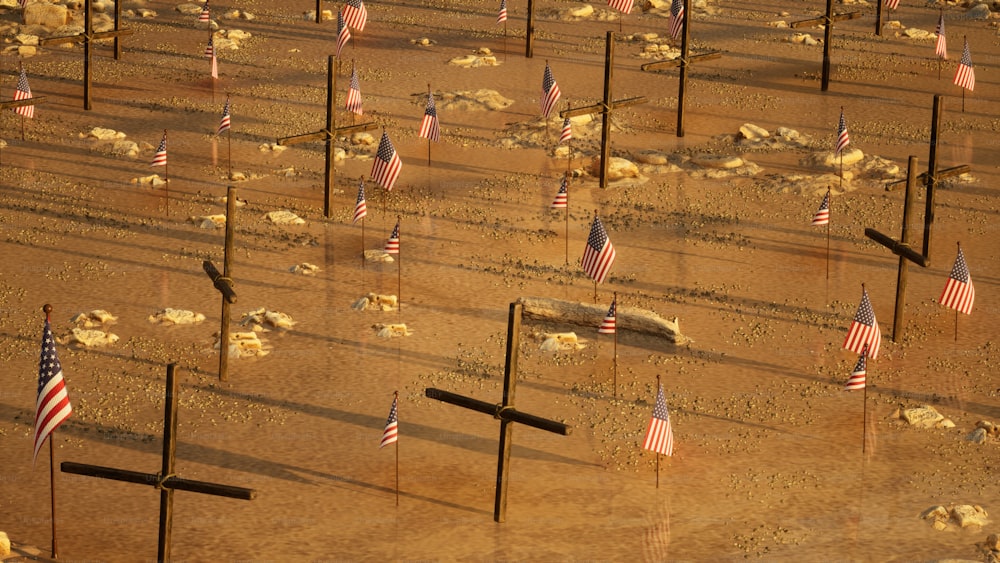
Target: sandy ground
(768, 461)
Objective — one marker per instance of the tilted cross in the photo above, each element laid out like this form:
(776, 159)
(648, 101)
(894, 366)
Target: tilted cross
(165, 480)
(224, 283)
(329, 134)
(827, 22)
(504, 411)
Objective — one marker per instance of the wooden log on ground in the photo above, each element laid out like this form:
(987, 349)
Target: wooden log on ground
(628, 318)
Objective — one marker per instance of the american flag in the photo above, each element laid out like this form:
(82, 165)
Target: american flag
(205, 15)
(941, 44)
(857, 379)
(965, 76)
(392, 245)
(22, 3)
(843, 139)
(822, 216)
(892, 4)
(160, 158)
(343, 33)
(550, 92)
(599, 253)
(676, 25)
(391, 432)
(562, 196)
(52, 404)
(355, 14)
(361, 207)
(659, 434)
(210, 53)
(386, 167)
(226, 122)
(429, 128)
(609, 323)
(959, 293)
(623, 6)
(23, 92)
(567, 131)
(353, 102)
(864, 333)
(502, 15)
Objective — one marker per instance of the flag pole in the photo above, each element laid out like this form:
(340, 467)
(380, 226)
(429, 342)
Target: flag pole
(52, 466)
(353, 115)
(399, 276)
(864, 406)
(504, 40)
(363, 234)
(566, 217)
(166, 181)
(428, 140)
(828, 205)
(614, 380)
(657, 453)
(395, 401)
(956, 310)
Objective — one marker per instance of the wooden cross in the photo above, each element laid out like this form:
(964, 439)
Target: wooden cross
(87, 38)
(329, 134)
(605, 107)
(224, 283)
(682, 62)
(827, 22)
(165, 480)
(504, 411)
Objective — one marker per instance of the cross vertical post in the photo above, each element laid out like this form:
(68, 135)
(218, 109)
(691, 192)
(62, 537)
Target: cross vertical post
(118, 29)
(331, 126)
(932, 169)
(827, 39)
(609, 65)
(530, 31)
(682, 76)
(167, 467)
(227, 257)
(904, 238)
(88, 28)
(507, 426)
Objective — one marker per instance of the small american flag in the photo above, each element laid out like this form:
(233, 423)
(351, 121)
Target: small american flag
(23, 92)
(226, 122)
(386, 167)
(599, 254)
(659, 434)
(623, 6)
(391, 432)
(210, 53)
(160, 158)
(205, 15)
(361, 207)
(22, 3)
(822, 216)
(343, 33)
(941, 44)
(502, 15)
(52, 403)
(562, 196)
(965, 76)
(959, 293)
(892, 4)
(429, 128)
(843, 139)
(864, 333)
(550, 92)
(392, 245)
(567, 131)
(857, 379)
(355, 14)
(676, 25)
(609, 323)
(353, 102)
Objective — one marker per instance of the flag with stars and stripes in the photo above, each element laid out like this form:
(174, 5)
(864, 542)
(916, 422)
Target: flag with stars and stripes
(391, 432)
(864, 333)
(822, 216)
(623, 6)
(843, 139)
(502, 15)
(610, 322)
(353, 102)
(392, 244)
(226, 122)
(343, 33)
(676, 24)
(550, 92)
(599, 254)
(965, 76)
(959, 293)
(355, 14)
(892, 4)
(23, 92)
(857, 379)
(387, 164)
(561, 200)
(205, 16)
(210, 54)
(567, 131)
(659, 434)
(361, 207)
(52, 403)
(160, 158)
(429, 128)
(940, 44)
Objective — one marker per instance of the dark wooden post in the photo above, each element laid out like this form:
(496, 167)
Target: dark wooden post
(118, 29)
(904, 238)
(827, 40)
(167, 467)
(227, 274)
(530, 31)
(319, 16)
(609, 66)
(507, 426)
(331, 126)
(682, 83)
(88, 28)
(932, 169)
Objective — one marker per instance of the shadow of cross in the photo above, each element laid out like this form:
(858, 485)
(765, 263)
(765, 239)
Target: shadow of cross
(165, 480)
(504, 411)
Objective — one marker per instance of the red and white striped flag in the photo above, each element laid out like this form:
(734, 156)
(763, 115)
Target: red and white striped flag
(676, 24)
(361, 207)
(857, 379)
(822, 216)
(610, 322)
(567, 131)
(343, 33)
(392, 244)
(659, 433)
(160, 158)
(387, 164)
(892, 4)
(623, 6)
(561, 200)
(226, 122)
(959, 293)
(391, 432)
(843, 139)
(52, 402)
(965, 76)
(205, 16)
(355, 14)
(23, 92)
(941, 44)
(502, 15)
(210, 54)
(864, 333)
(353, 102)
(429, 128)
(599, 254)
(550, 92)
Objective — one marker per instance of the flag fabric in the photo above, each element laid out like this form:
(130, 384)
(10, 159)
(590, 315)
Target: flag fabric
(623, 6)
(857, 379)
(843, 139)
(562, 196)
(391, 432)
(676, 24)
(864, 333)
(502, 15)
(550, 92)
(386, 167)
(892, 4)
(822, 216)
(965, 76)
(210, 53)
(355, 14)
(22, 3)
(353, 103)
(392, 245)
(941, 44)
(659, 434)
(599, 254)
(160, 158)
(610, 322)
(361, 207)
(226, 122)
(52, 404)
(23, 92)
(567, 131)
(959, 293)
(429, 128)
(343, 33)
(205, 15)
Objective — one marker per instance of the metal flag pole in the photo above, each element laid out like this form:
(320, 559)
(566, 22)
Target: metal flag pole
(399, 275)
(395, 401)
(428, 139)
(52, 466)
(657, 453)
(614, 380)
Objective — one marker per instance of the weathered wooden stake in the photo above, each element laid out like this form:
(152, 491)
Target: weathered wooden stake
(827, 21)
(530, 31)
(224, 283)
(932, 165)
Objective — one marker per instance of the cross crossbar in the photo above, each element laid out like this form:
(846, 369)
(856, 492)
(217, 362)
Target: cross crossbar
(680, 61)
(599, 107)
(924, 177)
(156, 480)
(824, 19)
(499, 411)
(898, 248)
(326, 135)
(222, 283)
(10, 104)
(82, 37)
